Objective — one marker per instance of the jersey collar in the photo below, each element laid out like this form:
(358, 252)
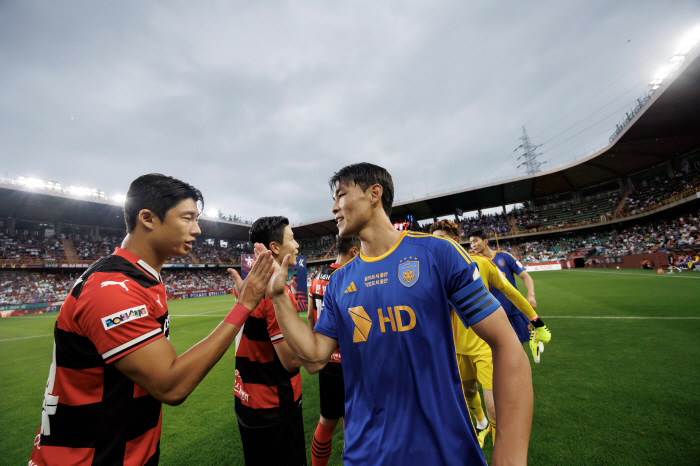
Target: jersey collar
(134, 259)
(393, 248)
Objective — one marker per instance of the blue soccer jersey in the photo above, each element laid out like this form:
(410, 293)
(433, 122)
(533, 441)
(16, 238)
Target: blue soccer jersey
(391, 316)
(510, 267)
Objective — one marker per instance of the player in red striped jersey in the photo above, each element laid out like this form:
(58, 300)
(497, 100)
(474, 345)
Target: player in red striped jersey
(268, 383)
(330, 378)
(111, 367)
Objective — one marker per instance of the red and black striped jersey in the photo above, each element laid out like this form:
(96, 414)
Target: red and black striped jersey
(266, 393)
(93, 414)
(318, 288)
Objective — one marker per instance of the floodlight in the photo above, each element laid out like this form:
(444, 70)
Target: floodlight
(119, 199)
(689, 41)
(32, 183)
(212, 212)
(664, 72)
(78, 191)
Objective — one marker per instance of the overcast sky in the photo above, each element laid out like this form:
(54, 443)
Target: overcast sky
(258, 103)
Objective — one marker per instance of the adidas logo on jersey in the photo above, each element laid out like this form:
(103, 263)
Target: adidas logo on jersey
(351, 288)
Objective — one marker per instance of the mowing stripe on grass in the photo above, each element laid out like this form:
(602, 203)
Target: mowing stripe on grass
(547, 317)
(638, 274)
(621, 317)
(24, 338)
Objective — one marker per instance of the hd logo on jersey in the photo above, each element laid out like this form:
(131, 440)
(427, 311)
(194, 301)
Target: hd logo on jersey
(401, 319)
(409, 272)
(121, 317)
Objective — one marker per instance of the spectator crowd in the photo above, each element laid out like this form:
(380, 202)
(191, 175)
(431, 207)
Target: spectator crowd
(30, 247)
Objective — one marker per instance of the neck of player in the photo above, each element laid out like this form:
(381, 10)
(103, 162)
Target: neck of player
(378, 236)
(144, 251)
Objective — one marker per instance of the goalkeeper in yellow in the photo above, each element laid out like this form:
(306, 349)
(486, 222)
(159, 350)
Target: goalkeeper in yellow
(473, 354)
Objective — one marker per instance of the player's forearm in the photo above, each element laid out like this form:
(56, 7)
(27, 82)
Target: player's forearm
(190, 368)
(512, 388)
(168, 378)
(512, 382)
(299, 336)
(529, 285)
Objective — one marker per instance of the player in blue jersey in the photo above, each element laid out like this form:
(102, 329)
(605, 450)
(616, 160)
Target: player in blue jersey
(389, 312)
(510, 267)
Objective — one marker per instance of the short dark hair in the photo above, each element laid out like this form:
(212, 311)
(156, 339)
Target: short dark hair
(365, 175)
(479, 234)
(265, 230)
(157, 193)
(445, 225)
(344, 245)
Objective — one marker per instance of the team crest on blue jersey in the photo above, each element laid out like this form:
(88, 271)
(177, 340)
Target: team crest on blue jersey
(501, 262)
(409, 273)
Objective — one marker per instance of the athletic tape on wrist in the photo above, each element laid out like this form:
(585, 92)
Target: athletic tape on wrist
(238, 315)
(537, 323)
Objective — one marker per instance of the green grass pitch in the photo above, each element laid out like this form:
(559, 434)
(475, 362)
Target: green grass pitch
(610, 389)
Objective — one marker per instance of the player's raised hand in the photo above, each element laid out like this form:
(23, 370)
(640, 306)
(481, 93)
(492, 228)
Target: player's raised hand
(277, 284)
(252, 290)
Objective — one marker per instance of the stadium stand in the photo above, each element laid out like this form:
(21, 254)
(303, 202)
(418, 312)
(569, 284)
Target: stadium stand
(87, 250)
(678, 233)
(176, 281)
(30, 248)
(22, 287)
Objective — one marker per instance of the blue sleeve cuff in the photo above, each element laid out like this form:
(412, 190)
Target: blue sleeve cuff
(327, 332)
(473, 303)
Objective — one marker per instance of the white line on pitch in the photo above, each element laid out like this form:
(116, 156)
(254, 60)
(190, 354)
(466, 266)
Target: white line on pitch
(679, 275)
(547, 317)
(621, 317)
(24, 338)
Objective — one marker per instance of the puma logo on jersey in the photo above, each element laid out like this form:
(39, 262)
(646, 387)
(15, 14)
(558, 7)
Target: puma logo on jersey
(351, 288)
(158, 300)
(107, 283)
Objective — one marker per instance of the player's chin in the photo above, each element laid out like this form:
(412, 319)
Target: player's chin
(344, 231)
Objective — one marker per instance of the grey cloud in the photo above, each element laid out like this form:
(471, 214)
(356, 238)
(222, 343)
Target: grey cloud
(259, 103)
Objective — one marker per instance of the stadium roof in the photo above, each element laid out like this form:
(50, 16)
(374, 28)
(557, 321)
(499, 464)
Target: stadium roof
(666, 128)
(55, 207)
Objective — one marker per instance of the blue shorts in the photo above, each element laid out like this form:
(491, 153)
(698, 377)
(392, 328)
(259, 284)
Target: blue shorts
(521, 325)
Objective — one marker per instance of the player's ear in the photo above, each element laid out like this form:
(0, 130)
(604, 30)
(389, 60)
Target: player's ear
(275, 247)
(375, 192)
(146, 218)
(354, 251)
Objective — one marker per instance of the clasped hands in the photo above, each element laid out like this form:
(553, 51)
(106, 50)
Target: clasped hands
(267, 277)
